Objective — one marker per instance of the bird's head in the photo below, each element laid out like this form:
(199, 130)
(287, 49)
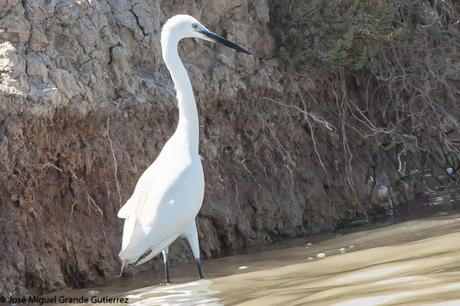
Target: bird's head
(183, 26)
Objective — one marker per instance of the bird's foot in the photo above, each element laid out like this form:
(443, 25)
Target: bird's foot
(199, 268)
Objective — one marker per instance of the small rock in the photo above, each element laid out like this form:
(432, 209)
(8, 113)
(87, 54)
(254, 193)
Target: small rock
(92, 293)
(49, 89)
(223, 59)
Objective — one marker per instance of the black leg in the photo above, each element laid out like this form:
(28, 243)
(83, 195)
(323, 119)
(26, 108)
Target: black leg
(167, 272)
(199, 267)
(165, 265)
(192, 237)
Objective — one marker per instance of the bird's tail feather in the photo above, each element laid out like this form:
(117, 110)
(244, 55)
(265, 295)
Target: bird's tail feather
(124, 264)
(149, 256)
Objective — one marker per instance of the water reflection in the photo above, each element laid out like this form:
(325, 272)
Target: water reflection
(193, 293)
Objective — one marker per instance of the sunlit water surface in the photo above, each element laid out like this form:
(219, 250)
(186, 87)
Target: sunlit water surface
(411, 263)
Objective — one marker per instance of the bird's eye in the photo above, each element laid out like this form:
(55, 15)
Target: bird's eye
(195, 26)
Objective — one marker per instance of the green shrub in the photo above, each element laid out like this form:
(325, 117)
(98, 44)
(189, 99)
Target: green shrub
(339, 33)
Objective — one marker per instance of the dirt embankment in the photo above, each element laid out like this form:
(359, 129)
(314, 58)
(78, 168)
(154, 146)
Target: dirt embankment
(86, 107)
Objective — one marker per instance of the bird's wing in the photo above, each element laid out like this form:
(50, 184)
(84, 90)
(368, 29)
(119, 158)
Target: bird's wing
(168, 198)
(128, 228)
(146, 181)
(127, 209)
(133, 207)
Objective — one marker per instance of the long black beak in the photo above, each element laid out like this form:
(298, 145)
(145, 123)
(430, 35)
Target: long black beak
(224, 41)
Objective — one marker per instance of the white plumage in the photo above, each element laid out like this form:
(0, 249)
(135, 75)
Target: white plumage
(169, 194)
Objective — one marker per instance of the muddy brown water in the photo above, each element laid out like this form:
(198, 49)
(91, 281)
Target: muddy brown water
(408, 263)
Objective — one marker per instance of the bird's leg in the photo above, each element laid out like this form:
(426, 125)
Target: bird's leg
(199, 267)
(165, 264)
(192, 237)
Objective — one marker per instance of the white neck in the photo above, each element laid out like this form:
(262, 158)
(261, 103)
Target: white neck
(188, 127)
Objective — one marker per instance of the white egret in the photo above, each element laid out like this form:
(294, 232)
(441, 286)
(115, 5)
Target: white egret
(170, 192)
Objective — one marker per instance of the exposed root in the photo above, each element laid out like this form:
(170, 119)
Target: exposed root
(93, 203)
(115, 164)
(307, 116)
(47, 165)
